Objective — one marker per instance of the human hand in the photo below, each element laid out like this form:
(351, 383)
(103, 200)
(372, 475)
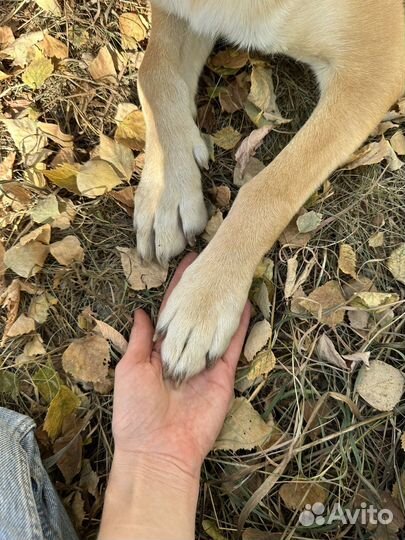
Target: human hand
(156, 421)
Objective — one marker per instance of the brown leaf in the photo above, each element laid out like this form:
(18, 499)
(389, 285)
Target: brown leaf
(221, 196)
(373, 153)
(131, 131)
(88, 478)
(54, 48)
(141, 274)
(249, 145)
(102, 67)
(96, 177)
(23, 325)
(69, 448)
(40, 305)
(325, 303)
(67, 251)
(54, 133)
(6, 167)
(257, 340)
(292, 237)
(253, 167)
(296, 494)
(87, 359)
(88, 321)
(228, 61)
(64, 220)
(347, 260)
(226, 138)
(41, 234)
(213, 225)
(2, 269)
(19, 50)
(133, 29)
(6, 36)
(125, 198)
(26, 261)
(10, 300)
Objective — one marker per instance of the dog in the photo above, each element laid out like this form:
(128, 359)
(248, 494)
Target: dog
(356, 49)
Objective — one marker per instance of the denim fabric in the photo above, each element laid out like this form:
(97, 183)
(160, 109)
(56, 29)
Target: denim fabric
(30, 508)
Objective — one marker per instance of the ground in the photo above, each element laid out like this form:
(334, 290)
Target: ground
(327, 437)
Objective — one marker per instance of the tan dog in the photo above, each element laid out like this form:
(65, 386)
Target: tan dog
(357, 51)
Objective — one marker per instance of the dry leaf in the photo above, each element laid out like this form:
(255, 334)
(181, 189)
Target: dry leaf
(6, 36)
(326, 352)
(64, 220)
(2, 269)
(380, 385)
(54, 133)
(49, 5)
(347, 260)
(46, 210)
(243, 428)
(88, 321)
(38, 71)
(96, 177)
(23, 325)
(67, 251)
(41, 234)
(34, 347)
(54, 48)
(141, 274)
(325, 303)
(62, 405)
(64, 176)
(20, 49)
(296, 494)
(69, 447)
(262, 94)
(356, 358)
(123, 110)
(292, 237)
(228, 61)
(261, 299)
(102, 67)
(10, 300)
(118, 155)
(226, 138)
(373, 153)
(308, 222)
(88, 478)
(6, 167)
(396, 263)
(257, 340)
(125, 198)
(87, 359)
(253, 167)
(48, 382)
(131, 131)
(26, 261)
(292, 267)
(221, 196)
(28, 139)
(249, 145)
(211, 529)
(373, 300)
(376, 240)
(358, 318)
(398, 143)
(263, 363)
(133, 29)
(39, 306)
(213, 225)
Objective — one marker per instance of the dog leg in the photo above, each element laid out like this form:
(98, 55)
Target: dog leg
(359, 82)
(169, 205)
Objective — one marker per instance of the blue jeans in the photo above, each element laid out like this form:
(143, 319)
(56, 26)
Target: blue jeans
(30, 508)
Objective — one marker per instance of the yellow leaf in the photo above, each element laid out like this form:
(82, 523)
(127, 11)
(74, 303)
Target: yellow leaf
(46, 209)
(347, 260)
(54, 48)
(373, 300)
(381, 385)
(87, 359)
(102, 67)
(325, 303)
(64, 176)
(228, 61)
(20, 49)
(62, 405)
(96, 177)
(396, 263)
(118, 155)
(141, 274)
(212, 530)
(263, 363)
(48, 382)
(226, 138)
(67, 251)
(23, 325)
(243, 428)
(49, 5)
(376, 240)
(37, 72)
(6, 167)
(131, 131)
(133, 30)
(300, 492)
(27, 137)
(27, 260)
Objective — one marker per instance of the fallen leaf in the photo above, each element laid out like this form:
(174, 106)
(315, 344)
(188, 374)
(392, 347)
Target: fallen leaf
(125, 198)
(356, 358)
(221, 196)
(213, 225)
(2, 269)
(76, 505)
(253, 534)
(292, 237)
(38, 71)
(133, 28)
(64, 176)
(10, 300)
(257, 340)
(9, 384)
(123, 110)
(6, 36)
(261, 299)
(88, 478)
(243, 429)
(48, 382)
(233, 97)
(102, 67)
(96, 177)
(360, 284)
(70, 448)
(67, 251)
(262, 94)
(226, 138)
(308, 222)
(298, 493)
(265, 269)
(212, 530)
(46, 210)
(6, 167)
(326, 352)
(87, 321)
(263, 363)
(19, 50)
(28, 139)
(34, 176)
(398, 143)
(249, 145)
(358, 318)
(253, 167)
(228, 61)
(87, 359)
(40, 305)
(41, 234)
(373, 153)
(396, 263)
(34, 347)
(51, 6)
(26, 261)
(131, 131)
(16, 196)
(62, 405)
(380, 385)
(23, 325)
(118, 155)
(325, 303)
(347, 260)
(292, 267)
(376, 240)
(54, 48)
(53, 132)
(141, 274)
(64, 220)
(373, 300)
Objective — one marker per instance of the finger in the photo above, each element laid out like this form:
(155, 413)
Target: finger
(232, 354)
(188, 259)
(140, 341)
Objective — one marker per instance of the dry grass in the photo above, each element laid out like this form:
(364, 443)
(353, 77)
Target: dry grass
(355, 447)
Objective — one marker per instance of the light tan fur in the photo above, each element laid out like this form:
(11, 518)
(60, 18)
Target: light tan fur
(356, 49)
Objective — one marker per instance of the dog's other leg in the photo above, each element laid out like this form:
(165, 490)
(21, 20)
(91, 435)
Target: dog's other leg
(361, 67)
(169, 205)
